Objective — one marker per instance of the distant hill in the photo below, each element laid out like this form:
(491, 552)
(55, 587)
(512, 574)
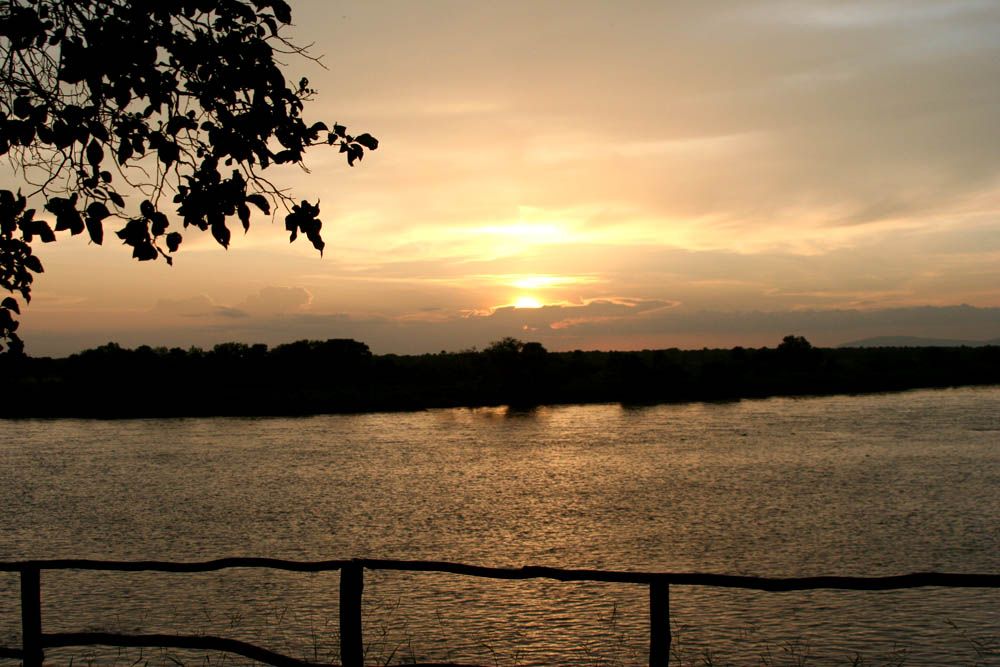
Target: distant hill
(914, 341)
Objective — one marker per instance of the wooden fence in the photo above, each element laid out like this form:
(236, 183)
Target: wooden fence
(34, 641)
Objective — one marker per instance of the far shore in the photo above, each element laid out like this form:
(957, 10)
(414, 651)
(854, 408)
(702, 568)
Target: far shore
(342, 376)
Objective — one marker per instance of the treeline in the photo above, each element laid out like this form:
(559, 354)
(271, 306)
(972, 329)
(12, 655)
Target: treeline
(341, 375)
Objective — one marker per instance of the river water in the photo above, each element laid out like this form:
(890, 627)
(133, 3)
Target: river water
(847, 485)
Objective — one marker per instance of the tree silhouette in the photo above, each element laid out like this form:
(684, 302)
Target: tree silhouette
(794, 344)
(118, 110)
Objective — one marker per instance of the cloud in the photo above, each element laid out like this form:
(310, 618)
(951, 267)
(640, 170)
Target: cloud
(605, 325)
(826, 327)
(599, 311)
(739, 170)
(277, 300)
(598, 324)
(268, 301)
(196, 307)
(730, 118)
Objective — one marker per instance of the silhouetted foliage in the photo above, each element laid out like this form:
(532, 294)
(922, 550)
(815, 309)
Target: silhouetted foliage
(342, 375)
(111, 109)
(794, 344)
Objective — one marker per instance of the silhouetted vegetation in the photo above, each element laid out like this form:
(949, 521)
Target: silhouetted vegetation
(122, 110)
(341, 375)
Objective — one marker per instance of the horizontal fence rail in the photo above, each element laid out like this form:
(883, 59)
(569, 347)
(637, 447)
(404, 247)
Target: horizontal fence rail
(34, 641)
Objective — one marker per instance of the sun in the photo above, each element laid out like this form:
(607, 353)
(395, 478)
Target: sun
(527, 302)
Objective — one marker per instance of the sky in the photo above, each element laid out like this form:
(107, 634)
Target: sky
(601, 175)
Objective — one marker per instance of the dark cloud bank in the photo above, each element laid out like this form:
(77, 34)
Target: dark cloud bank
(659, 324)
(602, 324)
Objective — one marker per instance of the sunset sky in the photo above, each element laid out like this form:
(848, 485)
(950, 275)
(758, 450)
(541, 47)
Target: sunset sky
(651, 174)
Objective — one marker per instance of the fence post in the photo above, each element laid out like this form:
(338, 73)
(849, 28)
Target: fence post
(31, 617)
(659, 623)
(352, 583)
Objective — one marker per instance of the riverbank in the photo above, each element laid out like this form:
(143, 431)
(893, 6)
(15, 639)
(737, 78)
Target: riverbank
(342, 376)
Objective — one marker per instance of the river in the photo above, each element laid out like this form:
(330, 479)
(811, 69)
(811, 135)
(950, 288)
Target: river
(846, 485)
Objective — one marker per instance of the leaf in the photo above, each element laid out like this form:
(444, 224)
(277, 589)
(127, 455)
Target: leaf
(354, 152)
(7, 322)
(174, 125)
(168, 152)
(98, 211)
(22, 107)
(146, 208)
(243, 211)
(95, 228)
(173, 241)
(23, 131)
(317, 243)
(34, 264)
(221, 234)
(135, 232)
(45, 135)
(145, 252)
(11, 304)
(339, 130)
(160, 223)
(62, 136)
(260, 201)
(39, 228)
(117, 199)
(71, 72)
(94, 153)
(367, 140)
(98, 130)
(282, 11)
(309, 210)
(124, 151)
(69, 218)
(7, 199)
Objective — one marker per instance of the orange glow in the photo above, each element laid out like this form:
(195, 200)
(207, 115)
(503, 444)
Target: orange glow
(529, 233)
(538, 282)
(495, 190)
(527, 302)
